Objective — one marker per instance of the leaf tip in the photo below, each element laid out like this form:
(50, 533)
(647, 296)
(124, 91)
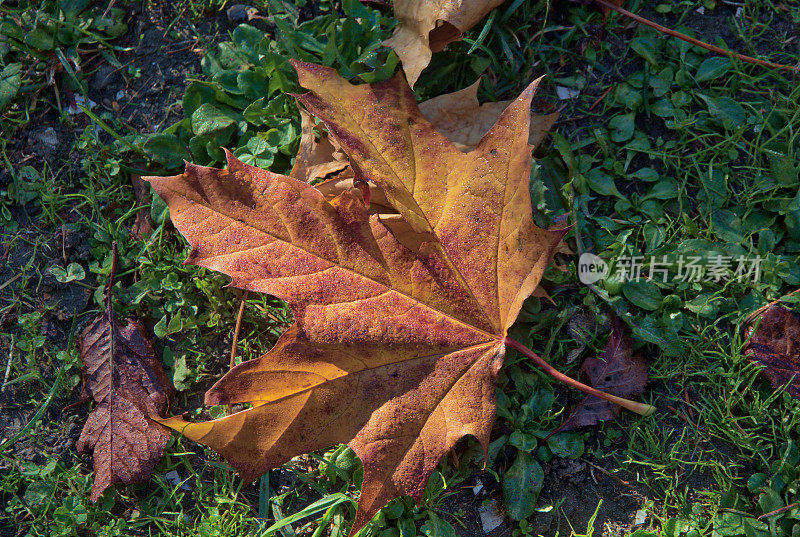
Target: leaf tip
(528, 93)
(306, 71)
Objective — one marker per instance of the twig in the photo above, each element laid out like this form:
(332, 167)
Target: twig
(684, 37)
(600, 99)
(63, 248)
(609, 474)
(779, 511)
(236, 330)
(8, 365)
(112, 275)
(9, 282)
(110, 5)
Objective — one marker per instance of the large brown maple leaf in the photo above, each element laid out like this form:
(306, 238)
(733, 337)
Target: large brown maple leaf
(398, 337)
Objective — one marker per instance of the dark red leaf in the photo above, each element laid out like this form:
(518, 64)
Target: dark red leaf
(617, 371)
(124, 377)
(775, 344)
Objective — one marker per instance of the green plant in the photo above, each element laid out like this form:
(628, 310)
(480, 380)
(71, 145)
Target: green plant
(246, 103)
(43, 43)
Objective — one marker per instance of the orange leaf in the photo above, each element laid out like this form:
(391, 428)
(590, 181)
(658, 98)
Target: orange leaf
(458, 116)
(427, 27)
(400, 323)
(316, 158)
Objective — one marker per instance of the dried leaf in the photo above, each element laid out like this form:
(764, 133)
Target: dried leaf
(142, 228)
(344, 182)
(427, 27)
(458, 116)
(775, 344)
(617, 371)
(124, 377)
(399, 326)
(316, 159)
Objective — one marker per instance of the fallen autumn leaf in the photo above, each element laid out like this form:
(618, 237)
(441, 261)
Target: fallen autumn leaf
(775, 345)
(398, 336)
(427, 27)
(124, 377)
(464, 121)
(617, 371)
(457, 115)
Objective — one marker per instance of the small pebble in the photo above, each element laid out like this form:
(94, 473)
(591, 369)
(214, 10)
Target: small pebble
(239, 13)
(490, 516)
(565, 93)
(49, 139)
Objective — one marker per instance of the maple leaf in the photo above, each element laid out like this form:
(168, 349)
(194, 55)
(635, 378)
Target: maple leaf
(316, 158)
(775, 345)
(464, 121)
(616, 371)
(400, 326)
(457, 115)
(427, 27)
(124, 377)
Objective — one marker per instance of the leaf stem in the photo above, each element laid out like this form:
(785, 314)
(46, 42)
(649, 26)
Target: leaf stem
(640, 408)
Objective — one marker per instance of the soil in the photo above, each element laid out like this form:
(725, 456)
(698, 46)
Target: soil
(156, 69)
(145, 94)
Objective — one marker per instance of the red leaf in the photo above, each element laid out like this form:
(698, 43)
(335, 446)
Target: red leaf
(775, 344)
(123, 375)
(617, 371)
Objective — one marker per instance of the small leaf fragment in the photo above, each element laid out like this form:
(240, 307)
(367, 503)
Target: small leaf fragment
(464, 121)
(316, 158)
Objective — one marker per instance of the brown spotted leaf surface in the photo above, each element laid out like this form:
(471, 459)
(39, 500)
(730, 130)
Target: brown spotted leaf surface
(400, 319)
(617, 371)
(775, 345)
(464, 121)
(124, 377)
(458, 115)
(427, 26)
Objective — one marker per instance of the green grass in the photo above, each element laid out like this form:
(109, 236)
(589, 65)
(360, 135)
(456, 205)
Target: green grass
(688, 154)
